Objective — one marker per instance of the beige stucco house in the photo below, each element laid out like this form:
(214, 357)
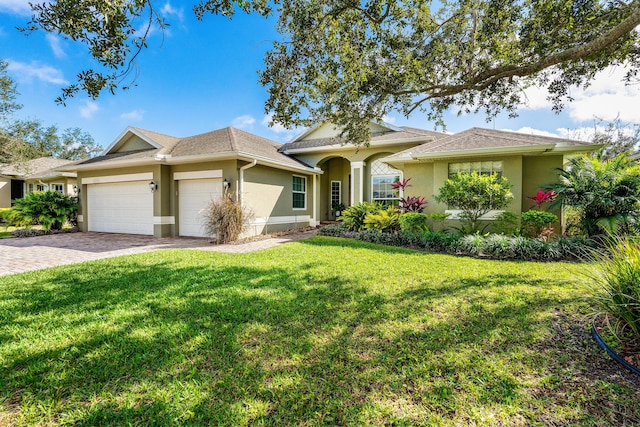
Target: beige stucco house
(155, 184)
(16, 180)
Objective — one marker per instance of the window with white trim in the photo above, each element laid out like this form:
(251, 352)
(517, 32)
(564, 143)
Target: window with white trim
(299, 192)
(483, 168)
(336, 196)
(382, 177)
(57, 187)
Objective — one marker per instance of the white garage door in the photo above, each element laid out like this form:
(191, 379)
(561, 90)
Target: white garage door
(194, 196)
(123, 207)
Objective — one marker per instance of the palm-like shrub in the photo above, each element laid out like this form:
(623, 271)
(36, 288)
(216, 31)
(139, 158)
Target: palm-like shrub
(353, 216)
(475, 194)
(605, 192)
(47, 208)
(617, 280)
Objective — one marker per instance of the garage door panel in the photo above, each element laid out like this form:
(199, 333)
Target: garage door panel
(125, 207)
(194, 196)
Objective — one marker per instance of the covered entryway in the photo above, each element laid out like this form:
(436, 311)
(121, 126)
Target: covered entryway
(120, 207)
(193, 197)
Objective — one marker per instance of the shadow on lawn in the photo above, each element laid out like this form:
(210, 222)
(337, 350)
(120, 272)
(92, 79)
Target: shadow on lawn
(156, 343)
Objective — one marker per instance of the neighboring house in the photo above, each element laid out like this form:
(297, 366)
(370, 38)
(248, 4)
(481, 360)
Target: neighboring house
(16, 180)
(154, 184)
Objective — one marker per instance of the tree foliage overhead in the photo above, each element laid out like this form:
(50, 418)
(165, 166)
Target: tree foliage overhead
(352, 61)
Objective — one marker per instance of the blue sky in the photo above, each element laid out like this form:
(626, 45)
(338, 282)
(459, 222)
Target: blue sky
(202, 76)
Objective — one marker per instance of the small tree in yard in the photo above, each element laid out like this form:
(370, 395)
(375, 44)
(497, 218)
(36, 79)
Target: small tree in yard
(475, 194)
(226, 219)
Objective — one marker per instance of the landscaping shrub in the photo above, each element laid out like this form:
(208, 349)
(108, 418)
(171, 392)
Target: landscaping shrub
(507, 223)
(472, 244)
(440, 242)
(617, 283)
(334, 230)
(225, 219)
(47, 208)
(535, 222)
(385, 221)
(5, 214)
(413, 222)
(437, 220)
(475, 194)
(499, 246)
(353, 216)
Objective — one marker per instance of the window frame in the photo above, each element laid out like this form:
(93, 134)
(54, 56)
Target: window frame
(294, 191)
(57, 183)
(386, 200)
(331, 193)
(469, 169)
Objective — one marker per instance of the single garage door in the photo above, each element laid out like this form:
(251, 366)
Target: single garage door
(123, 207)
(194, 196)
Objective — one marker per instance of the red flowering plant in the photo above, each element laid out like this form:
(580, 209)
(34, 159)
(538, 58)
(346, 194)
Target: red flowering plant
(410, 203)
(542, 197)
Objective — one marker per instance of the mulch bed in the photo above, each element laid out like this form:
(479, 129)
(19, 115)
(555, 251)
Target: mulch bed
(620, 340)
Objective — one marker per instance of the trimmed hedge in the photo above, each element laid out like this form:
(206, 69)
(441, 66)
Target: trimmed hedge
(497, 246)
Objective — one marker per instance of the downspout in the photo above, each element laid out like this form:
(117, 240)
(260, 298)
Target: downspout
(240, 187)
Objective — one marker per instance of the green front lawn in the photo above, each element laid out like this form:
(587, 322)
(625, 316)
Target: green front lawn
(320, 332)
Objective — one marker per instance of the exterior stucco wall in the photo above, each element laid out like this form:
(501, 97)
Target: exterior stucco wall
(133, 143)
(268, 193)
(5, 192)
(350, 153)
(537, 172)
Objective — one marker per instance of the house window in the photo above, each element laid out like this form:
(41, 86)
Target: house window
(382, 177)
(483, 168)
(58, 187)
(336, 196)
(29, 188)
(299, 192)
(39, 187)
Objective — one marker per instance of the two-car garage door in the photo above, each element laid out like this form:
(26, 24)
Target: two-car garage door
(120, 207)
(127, 206)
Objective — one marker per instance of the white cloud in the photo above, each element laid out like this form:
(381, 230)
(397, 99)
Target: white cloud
(27, 72)
(167, 9)
(389, 119)
(532, 131)
(282, 133)
(56, 47)
(606, 98)
(133, 116)
(89, 109)
(15, 6)
(243, 122)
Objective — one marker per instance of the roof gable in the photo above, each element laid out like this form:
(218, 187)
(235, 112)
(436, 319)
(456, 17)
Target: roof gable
(329, 130)
(136, 139)
(479, 140)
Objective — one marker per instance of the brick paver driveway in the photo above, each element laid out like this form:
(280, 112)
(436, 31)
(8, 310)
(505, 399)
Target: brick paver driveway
(33, 253)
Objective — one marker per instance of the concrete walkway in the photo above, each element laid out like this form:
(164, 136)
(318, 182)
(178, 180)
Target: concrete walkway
(34, 253)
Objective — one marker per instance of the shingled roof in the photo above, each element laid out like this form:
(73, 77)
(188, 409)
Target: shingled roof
(479, 139)
(228, 141)
(35, 168)
(407, 133)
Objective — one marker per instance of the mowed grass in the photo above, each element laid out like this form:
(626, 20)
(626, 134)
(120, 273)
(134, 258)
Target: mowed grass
(320, 332)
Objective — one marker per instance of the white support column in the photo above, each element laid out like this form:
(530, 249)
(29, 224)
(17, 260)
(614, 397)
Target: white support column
(357, 182)
(315, 215)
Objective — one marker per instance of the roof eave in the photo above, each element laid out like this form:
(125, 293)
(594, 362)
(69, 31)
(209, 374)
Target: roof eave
(485, 151)
(348, 146)
(130, 129)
